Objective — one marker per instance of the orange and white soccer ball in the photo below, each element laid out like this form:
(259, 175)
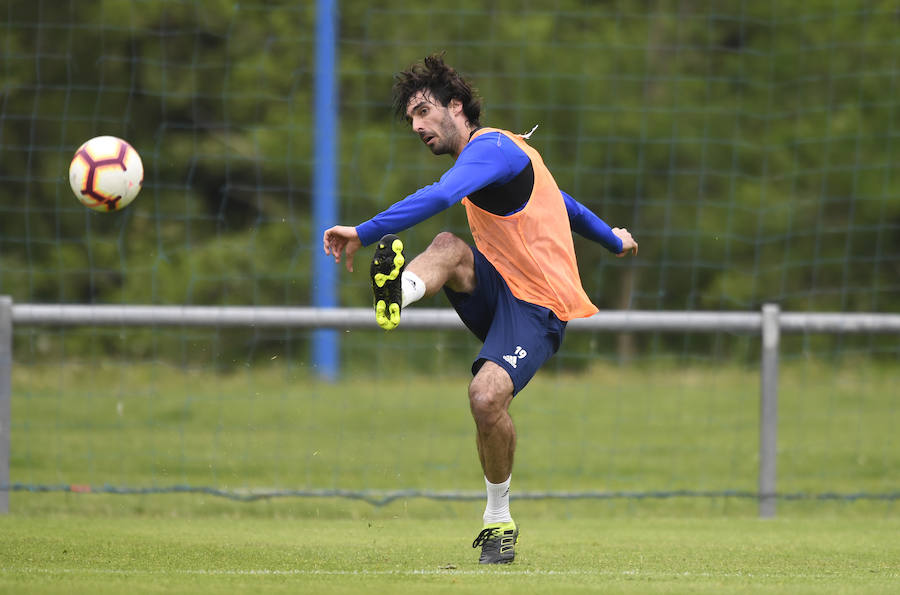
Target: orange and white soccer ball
(106, 173)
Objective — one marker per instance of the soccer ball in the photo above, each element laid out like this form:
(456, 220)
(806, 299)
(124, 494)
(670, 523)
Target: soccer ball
(106, 173)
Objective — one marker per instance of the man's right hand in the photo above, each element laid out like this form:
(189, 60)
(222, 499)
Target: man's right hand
(339, 239)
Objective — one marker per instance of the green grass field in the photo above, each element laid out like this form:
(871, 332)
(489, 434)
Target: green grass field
(649, 429)
(233, 553)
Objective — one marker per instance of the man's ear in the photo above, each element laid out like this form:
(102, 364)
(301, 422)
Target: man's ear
(455, 106)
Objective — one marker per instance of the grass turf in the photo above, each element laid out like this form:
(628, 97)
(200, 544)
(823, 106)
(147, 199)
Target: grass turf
(658, 428)
(233, 554)
(641, 429)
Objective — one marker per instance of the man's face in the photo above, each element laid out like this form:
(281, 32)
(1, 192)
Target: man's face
(433, 123)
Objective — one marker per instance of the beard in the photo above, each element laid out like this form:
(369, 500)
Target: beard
(448, 137)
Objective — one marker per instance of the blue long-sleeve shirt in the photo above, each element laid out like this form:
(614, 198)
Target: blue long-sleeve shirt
(489, 160)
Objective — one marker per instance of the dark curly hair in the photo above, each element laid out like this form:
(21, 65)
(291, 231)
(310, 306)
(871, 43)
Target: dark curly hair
(444, 83)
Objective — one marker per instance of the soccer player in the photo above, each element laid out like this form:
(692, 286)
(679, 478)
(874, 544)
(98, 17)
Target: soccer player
(515, 289)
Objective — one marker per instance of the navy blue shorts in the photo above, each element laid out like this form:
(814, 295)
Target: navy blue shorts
(517, 336)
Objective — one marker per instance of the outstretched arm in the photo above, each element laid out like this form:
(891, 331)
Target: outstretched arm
(585, 223)
(478, 165)
(484, 161)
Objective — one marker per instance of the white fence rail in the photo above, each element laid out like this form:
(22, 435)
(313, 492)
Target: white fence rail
(435, 318)
(770, 322)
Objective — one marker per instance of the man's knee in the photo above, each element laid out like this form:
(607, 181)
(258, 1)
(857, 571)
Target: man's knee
(487, 408)
(448, 243)
(453, 256)
(490, 395)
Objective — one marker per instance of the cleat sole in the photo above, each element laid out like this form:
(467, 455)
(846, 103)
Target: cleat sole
(380, 278)
(387, 266)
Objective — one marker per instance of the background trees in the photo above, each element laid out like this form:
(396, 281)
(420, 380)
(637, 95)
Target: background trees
(751, 149)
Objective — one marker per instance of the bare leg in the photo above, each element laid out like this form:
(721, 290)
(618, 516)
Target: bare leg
(490, 394)
(447, 261)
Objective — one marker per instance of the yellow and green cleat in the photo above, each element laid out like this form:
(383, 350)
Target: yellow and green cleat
(387, 267)
(498, 543)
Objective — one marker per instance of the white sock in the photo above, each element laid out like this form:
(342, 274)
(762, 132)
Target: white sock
(413, 288)
(497, 510)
